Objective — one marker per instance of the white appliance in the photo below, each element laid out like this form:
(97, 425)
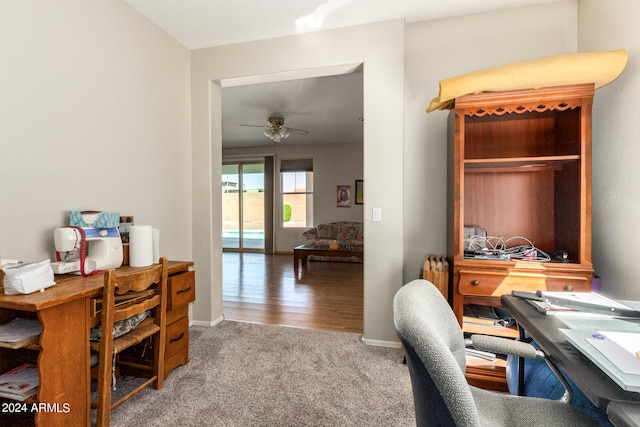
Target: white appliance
(100, 248)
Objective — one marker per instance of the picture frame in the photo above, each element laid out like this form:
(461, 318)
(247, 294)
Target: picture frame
(343, 196)
(359, 199)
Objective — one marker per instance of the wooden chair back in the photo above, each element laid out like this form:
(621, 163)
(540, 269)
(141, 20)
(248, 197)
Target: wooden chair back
(128, 294)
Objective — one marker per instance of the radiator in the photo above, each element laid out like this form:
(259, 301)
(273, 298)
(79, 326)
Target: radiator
(436, 271)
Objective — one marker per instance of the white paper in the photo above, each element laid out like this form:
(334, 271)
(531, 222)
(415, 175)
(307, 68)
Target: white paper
(627, 340)
(19, 329)
(623, 360)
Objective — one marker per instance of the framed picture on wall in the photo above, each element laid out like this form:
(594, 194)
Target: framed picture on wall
(359, 192)
(344, 196)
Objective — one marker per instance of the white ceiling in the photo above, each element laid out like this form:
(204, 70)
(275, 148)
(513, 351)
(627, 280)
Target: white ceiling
(328, 107)
(205, 23)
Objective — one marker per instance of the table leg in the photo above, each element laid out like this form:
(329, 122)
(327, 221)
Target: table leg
(63, 366)
(521, 333)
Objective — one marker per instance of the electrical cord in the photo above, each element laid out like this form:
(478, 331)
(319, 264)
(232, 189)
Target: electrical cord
(501, 248)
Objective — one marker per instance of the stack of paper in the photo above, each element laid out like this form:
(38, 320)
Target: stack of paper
(19, 333)
(20, 383)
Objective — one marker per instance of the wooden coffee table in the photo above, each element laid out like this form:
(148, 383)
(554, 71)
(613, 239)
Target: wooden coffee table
(303, 251)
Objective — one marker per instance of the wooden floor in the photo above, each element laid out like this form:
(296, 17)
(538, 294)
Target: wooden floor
(263, 288)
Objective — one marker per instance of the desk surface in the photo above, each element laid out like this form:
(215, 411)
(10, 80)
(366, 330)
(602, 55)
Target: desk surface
(75, 287)
(593, 382)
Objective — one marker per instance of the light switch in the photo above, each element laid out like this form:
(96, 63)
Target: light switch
(377, 214)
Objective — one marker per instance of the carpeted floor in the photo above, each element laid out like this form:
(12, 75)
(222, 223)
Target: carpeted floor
(245, 374)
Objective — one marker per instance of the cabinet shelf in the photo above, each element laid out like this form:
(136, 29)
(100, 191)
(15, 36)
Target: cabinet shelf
(518, 164)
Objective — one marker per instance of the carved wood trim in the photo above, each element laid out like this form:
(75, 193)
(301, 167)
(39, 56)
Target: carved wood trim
(522, 108)
(558, 98)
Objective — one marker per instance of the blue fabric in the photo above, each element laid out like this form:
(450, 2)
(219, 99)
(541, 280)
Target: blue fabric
(104, 220)
(539, 381)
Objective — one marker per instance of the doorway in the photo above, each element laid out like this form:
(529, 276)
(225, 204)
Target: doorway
(328, 108)
(243, 206)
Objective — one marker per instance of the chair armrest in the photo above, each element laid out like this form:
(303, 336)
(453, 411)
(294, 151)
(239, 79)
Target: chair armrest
(521, 349)
(503, 346)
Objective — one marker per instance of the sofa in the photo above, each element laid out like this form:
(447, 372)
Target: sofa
(347, 234)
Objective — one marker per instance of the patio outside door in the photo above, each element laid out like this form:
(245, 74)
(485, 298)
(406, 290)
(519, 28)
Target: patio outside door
(243, 221)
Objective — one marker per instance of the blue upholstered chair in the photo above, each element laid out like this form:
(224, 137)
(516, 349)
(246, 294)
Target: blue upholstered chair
(435, 352)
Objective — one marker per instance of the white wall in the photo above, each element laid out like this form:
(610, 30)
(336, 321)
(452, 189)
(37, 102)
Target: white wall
(616, 151)
(440, 49)
(380, 48)
(94, 114)
(333, 165)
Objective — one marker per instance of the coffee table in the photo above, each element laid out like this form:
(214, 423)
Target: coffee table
(303, 251)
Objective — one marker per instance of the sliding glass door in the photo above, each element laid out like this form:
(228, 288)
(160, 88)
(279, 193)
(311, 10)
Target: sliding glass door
(243, 206)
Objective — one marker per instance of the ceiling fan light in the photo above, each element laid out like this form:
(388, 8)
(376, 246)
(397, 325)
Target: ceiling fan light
(275, 129)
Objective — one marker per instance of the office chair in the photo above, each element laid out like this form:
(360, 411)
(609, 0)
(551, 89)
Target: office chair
(139, 296)
(435, 353)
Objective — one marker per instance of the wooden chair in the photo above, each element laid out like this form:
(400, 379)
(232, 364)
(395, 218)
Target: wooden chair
(126, 295)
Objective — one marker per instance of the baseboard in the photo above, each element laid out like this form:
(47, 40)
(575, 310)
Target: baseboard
(378, 343)
(209, 324)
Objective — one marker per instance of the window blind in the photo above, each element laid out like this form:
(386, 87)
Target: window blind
(296, 165)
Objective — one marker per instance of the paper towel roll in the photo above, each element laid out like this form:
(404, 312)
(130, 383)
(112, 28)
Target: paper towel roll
(140, 246)
(156, 245)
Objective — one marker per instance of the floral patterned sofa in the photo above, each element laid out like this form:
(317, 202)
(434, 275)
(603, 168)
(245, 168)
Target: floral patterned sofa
(347, 234)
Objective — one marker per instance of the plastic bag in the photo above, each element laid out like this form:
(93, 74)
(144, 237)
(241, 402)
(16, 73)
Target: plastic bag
(28, 278)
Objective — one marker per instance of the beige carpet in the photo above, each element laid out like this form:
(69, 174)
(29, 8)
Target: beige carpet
(244, 374)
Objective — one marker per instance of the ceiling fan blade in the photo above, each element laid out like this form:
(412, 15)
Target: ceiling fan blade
(298, 131)
(292, 130)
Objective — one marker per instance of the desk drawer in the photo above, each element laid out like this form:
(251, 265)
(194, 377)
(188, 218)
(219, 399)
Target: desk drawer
(182, 289)
(568, 284)
(177, 337)
(495, 284)
(177, 345)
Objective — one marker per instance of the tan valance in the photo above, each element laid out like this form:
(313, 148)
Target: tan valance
(600, 68)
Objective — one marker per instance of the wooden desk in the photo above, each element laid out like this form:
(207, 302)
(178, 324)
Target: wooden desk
(593, 382)
(62, 353)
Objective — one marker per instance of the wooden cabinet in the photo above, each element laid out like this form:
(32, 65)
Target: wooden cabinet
(520, 166)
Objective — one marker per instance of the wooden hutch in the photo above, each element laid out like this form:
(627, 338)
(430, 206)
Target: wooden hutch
(520, 165)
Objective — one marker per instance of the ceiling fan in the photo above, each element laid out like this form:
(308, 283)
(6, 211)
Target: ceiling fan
(276, 131)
